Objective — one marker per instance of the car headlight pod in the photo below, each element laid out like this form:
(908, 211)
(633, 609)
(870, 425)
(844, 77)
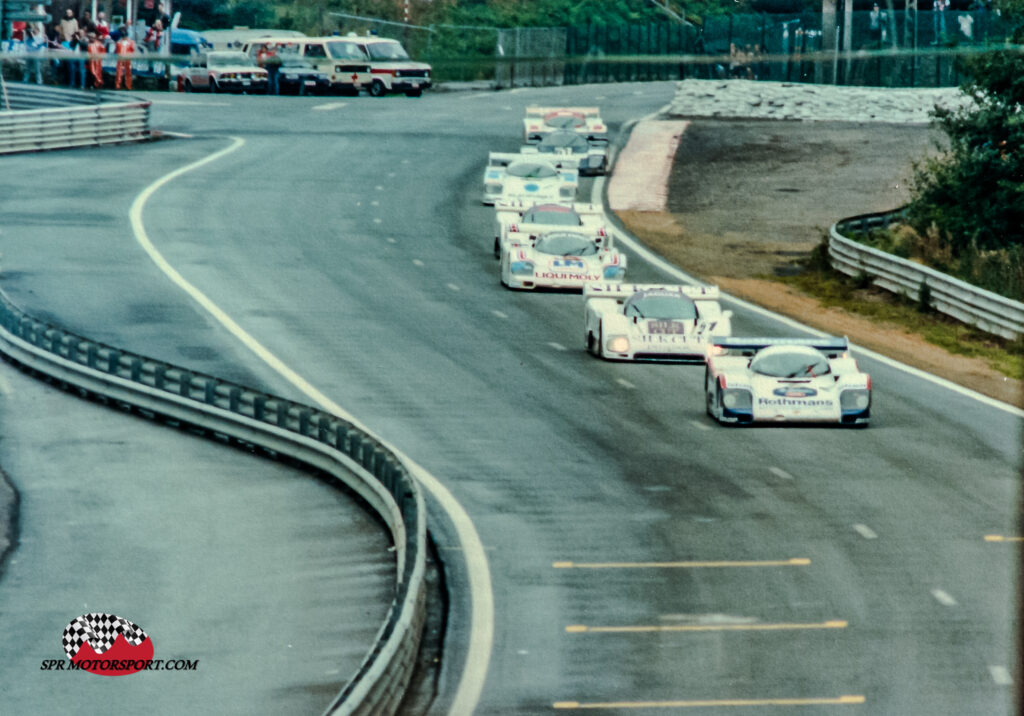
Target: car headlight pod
(855, 400)
(737, 399)
(522, 268)
(492, 188)
(617, 344)
(614, 272)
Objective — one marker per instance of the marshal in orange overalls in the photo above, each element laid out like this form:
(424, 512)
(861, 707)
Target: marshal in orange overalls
(125, 48)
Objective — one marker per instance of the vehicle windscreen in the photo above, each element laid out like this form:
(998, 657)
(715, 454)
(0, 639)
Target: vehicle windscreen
(566, 245)
(552, 216)
(564, 140)
(794, 364)
(531, 170)
(565, 121)
(661, 306)
(342, 50)
(293, 61)
(386, 51)
(225, 59)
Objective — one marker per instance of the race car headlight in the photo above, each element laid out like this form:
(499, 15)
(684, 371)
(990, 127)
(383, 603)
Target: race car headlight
(855, 400)
(737, 399)
(614, 272)
(567, 192)
(617, 344)
(522, 268)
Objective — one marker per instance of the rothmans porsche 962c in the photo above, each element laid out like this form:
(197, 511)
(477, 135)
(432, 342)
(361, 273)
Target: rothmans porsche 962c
(560, 259)
(652, 322)
(529, 178)
(775, 380)
(585, 121)
(520, 223)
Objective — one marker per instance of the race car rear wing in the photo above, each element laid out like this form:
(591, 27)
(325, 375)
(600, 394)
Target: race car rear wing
(558, 160)
(520, 207)
(544, 111)
(622, 291)
(829, 345)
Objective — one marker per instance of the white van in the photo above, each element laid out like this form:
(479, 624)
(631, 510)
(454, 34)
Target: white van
(391, 67)
(340, 58)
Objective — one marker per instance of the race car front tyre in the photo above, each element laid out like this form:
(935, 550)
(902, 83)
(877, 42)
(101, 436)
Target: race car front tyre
(497, 248)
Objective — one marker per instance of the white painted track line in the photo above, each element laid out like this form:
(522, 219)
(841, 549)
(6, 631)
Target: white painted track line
(481, 639)
(865, 531)
(944, 598)
(780, 473)
(1001, 675)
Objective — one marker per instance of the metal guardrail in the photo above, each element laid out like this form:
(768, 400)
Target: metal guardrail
(983, 309)
(279, 426)
(42, 117)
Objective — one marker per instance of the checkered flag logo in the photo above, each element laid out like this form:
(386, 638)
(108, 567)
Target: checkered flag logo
(100, 631)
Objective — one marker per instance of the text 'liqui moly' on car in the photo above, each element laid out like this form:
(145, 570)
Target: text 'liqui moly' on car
(520, 222)
(517, 178)
(584, 121)
(777, 380)
(652, 322)
(560, 260)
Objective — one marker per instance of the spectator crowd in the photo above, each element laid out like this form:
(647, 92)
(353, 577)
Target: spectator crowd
(75, 45)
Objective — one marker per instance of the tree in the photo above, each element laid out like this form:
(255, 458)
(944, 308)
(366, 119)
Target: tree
(974, 194)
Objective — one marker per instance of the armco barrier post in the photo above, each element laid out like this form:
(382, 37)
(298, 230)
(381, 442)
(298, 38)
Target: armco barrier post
(185, 384)
(210, 391)
(234, 399)
(259, 406)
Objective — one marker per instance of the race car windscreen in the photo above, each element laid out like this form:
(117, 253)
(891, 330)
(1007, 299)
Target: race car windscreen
(566, 245)
(795, 364)
(564, 140)
(531, 170)
(565, 121)
(386, 51)
(552, 216)
(661, 307)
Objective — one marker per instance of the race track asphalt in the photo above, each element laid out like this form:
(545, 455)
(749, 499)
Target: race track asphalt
(708, 565)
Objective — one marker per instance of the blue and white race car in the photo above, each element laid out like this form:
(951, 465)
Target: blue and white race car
(521, 223)
(560, 260)
(776, 380)
(652, 322)
(528, 179)
(572, 150)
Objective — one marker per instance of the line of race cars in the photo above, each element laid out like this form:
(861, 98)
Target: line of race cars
(545, 239)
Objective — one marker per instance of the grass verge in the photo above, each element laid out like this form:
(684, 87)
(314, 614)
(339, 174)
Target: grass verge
(856, 295)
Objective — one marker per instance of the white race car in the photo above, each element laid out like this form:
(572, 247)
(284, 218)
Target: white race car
(771, 380)
(560, 259)
(520, 223)
(585, 121)
(573, 151)
(529, 178)
(652, 322)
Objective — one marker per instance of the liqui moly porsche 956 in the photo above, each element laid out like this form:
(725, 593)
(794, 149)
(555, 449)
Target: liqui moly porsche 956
(562, 260)
(573, 150)
(772, 380)
(529, 178)
(585, 121)
(520, 223)
(652, 322)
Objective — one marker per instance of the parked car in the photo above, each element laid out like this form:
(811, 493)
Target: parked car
(341, 59)
(223, 71)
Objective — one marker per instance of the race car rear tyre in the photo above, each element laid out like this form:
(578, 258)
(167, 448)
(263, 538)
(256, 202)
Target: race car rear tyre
(377, 89)
(590, 343)
(497, 248)
(708, 399)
